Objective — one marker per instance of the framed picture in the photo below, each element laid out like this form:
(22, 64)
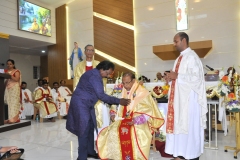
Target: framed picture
(34, 18)
(181, 7)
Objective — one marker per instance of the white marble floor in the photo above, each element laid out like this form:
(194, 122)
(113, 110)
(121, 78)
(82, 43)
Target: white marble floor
(51, 141)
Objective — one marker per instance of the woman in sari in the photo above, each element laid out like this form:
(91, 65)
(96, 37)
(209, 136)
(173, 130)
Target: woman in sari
(13, 92)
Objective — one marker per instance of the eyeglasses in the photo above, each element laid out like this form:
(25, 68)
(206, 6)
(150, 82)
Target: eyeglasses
(89, 50)
(126, 83)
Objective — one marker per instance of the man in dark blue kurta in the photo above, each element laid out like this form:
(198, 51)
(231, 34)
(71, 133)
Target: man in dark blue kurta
(81, 119)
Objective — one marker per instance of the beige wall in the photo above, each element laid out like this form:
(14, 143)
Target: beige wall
(9, 21)
(216, 20)
(25, 64)
(80, 13)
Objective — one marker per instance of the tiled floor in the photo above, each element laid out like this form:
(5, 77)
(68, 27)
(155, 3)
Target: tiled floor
(51, 141)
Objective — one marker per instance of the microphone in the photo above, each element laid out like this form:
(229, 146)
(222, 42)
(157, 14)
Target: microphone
(211, 69)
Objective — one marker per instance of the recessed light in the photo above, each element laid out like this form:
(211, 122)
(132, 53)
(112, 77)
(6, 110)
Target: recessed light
(150, 8)
(43, 51)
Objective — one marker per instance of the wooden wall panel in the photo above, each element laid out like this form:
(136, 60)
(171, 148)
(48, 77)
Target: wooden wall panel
(114, 40)
(121, 10)
(43, 66)
(57, 54)
(117, 69)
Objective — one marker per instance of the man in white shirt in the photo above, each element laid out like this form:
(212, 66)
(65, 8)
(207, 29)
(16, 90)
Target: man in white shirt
(40, 82)
(55, 92)
(187, 105)
(27, 100)
(64, 97)
(159, 78)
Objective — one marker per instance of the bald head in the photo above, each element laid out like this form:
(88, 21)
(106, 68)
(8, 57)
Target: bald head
(159, 76)
(180, 41)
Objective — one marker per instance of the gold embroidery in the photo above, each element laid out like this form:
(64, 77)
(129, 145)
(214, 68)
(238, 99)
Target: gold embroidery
(126, 143)
(124, 130)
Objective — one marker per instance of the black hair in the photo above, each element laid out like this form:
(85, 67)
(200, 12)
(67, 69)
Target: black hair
(85, 48)
(61, 81)
(44, 82)
(105, 65)
(130, 74)
(183, 35)
(231, 68)
(24, 82)
(40, 80)
(55, 83)
(12, 61)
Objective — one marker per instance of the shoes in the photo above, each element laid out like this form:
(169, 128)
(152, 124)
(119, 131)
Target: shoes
(95, 156)
(12, 156)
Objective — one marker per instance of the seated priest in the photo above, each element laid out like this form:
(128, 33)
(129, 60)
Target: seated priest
(130, 135)
(44, 102)
(27, 101)
(159, 78)
(64, 97)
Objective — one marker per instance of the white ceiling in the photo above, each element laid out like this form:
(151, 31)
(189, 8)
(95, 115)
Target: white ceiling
(27, 46)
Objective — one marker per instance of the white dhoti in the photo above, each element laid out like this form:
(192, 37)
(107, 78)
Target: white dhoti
(106, 119)
(28, 109)
(189, 145)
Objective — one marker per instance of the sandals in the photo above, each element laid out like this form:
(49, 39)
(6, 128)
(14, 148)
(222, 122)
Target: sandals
(12, 156)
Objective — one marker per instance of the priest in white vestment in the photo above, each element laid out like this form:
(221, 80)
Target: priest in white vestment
(187, 105)
(64, 97)
(27, 101)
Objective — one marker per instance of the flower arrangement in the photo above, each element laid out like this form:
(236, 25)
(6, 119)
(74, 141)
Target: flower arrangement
(230, 99)
(232, 103)
(118, 86)
(223, 86)
(160, 91)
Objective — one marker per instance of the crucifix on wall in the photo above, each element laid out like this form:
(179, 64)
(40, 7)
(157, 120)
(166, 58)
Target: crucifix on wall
(181, 8)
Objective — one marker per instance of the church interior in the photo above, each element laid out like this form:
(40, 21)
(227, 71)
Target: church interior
(41, 36)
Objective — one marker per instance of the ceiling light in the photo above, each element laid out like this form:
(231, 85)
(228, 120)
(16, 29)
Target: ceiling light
(150, 8)
(43, 51)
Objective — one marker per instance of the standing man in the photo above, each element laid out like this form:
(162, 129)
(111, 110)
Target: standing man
(81, 119)
(85, 65)
(187, 105)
